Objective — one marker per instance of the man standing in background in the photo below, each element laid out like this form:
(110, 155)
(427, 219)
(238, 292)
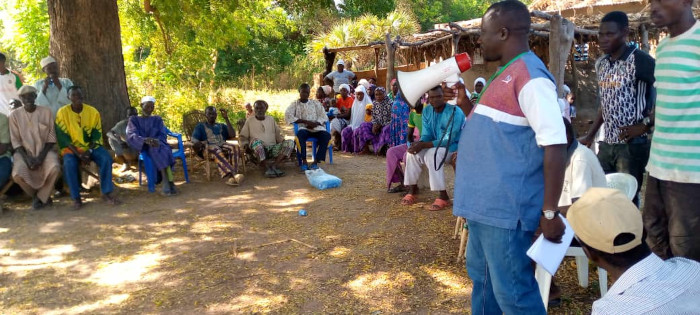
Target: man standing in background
(9, 85)
(53, 90)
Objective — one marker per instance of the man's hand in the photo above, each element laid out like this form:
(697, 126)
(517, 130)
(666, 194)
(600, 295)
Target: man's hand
(57, 82)
(586, 140)
(224, 112)
(376, 129)
(152, 142)
(552, 229)
(311, 124)
(416, 147)
(46, 85)
(85, 157)
(449, 93)
(628, 133)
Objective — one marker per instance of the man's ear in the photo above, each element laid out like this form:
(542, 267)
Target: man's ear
(503, 33)
(591, 256)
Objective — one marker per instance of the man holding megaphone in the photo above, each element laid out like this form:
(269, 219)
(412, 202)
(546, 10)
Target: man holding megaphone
(510, 167)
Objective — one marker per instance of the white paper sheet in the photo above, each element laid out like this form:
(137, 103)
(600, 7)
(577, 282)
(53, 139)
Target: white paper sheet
(549, 255)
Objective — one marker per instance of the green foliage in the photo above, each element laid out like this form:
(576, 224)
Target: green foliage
(431, 12)
(25, 35)
(357, 8)
(351, 32)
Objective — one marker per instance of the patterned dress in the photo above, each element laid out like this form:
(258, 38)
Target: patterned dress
(399, 119)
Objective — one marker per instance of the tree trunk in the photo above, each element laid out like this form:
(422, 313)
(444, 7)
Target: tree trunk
(561, 38)
(85, 40)
(390, 58)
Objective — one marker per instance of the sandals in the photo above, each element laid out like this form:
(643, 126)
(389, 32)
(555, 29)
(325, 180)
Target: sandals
(439, 204)
(270, 173)
(408, 200)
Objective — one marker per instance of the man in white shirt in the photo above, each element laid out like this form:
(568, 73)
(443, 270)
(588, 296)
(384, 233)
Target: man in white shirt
(9, 85)
(53, 90)
(341, 76)
(311, 118)
(609, 227)
(583, 170)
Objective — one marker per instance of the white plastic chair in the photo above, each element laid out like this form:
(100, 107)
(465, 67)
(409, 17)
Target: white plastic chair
(628, 185)
(624, 182)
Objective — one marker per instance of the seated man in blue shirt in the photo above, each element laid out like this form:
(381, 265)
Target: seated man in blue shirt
(215, 135)
(609, 227)
(442, 124)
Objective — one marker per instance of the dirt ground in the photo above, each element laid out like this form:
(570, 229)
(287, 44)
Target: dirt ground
(218, 249)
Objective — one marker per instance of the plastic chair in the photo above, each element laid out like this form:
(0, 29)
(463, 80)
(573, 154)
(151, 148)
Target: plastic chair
(624, 182)
(313, 144)
(151, 172)
(628, 185)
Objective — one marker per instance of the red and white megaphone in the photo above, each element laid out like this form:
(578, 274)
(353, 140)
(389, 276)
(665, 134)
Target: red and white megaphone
(415, 83)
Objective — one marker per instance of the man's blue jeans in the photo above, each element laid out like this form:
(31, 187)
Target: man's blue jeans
(502, 276)
(5, 170)
(71, 171)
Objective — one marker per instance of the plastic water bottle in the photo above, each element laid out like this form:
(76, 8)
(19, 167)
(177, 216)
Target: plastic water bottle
(302, 213)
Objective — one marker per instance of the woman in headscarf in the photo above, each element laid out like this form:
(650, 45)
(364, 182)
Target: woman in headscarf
(394, 89)
(399, 118)
(376, 131)
(357, 117)
(324, 96)
(479, 84)
(343, 102)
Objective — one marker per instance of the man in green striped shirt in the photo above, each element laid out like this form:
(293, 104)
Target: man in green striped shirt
(672, 201)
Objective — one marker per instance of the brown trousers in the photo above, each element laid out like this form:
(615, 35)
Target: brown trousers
(672, 218)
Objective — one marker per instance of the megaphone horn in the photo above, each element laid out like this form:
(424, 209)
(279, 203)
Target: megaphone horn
(415, 83)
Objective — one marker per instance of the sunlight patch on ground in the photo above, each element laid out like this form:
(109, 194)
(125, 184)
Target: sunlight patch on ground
(121, 215)
(253, 302)
(4, 230)
(339, 251)
(132, 270)
(210, 226)
(447, 279)
(50, 227)
(90, 307)
(36, 258)
(380, 288)
(263, 188)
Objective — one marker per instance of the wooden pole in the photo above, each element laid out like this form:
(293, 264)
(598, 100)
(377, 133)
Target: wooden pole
(645, 38)
(390, 57)
(560, 40)
(330, 59)
(376, 63)
(455, 43)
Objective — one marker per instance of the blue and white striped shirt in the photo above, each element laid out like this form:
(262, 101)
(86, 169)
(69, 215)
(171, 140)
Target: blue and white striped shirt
(654, 286)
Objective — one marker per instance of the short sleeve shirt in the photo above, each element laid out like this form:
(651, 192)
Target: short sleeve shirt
(339, 78)
(215, 134)
(9, 85)
(344, 103)
(582, 172)
(415, 120)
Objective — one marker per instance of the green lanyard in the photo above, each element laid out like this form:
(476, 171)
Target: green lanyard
(499, 73)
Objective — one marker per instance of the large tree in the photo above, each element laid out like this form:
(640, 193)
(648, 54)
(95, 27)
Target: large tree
(85, 40)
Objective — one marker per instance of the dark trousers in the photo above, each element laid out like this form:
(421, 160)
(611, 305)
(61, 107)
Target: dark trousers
(323, 138)
(630, 158)
(672, 218)
(71, 171)
(5, 170)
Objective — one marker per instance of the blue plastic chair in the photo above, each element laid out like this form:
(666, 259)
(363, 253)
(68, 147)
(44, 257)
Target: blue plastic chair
(151, 172)
(313, 144)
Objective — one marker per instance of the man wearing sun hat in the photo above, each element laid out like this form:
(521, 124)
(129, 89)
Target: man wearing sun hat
(339, 77)
(609, 227)
(53, 90)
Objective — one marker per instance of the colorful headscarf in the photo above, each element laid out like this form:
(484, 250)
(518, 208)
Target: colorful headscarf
(346, 87)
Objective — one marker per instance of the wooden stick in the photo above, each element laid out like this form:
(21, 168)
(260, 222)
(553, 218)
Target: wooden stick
(278, 242)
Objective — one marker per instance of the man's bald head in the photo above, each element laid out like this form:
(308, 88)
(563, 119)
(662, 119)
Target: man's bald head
(505, 28)
(511, 14)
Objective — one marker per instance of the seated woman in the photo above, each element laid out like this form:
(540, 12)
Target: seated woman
(397, 154)
(324, 96)
(344, 102)
(377, 131)
(357, 117)
(147, 133)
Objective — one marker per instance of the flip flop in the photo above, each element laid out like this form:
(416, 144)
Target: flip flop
(408, 200)
(271, 173)
(439, 204)
(304, 168)
(278, 172)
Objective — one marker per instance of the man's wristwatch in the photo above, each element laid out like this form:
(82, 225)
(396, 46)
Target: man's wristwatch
(550, 214)
(647, 122)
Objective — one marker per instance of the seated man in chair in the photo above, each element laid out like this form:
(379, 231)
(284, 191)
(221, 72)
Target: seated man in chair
(117, 140)
(214, 135)
(79, 135)
(311, 117)
(263, 136)
(147, 134)
(33, 134)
